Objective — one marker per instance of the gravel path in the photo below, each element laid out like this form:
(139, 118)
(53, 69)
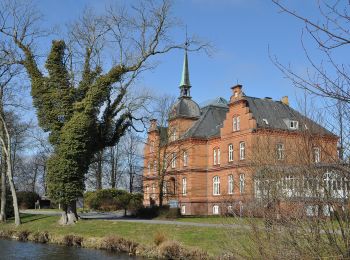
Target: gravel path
(118, 216)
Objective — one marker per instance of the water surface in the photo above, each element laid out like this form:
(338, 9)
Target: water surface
(10, 249)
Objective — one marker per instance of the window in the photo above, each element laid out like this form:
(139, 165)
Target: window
(184, 186)
(230, 152)
(183, 209)
(265, 121)
(317, 154)
(311, 210)
(151, 147)
(216, 185)
(218, 155)
(173, 160)
(241, 183)
(293, 124)
(241, 150)
(230, 184)
(185, 158)
(173, 135)
(153, 190)
(280, 151)
(165, 188)
(149, 168)
(216, 210)
(155, 166)
(147, 190)
(236, 121)
(230, 209)
(214, 157)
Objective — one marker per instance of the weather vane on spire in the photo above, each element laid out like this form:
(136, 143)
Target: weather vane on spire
(187, 43)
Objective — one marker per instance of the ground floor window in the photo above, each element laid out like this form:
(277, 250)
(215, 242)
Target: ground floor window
(216, 210)
(311, 210)
(183, 209)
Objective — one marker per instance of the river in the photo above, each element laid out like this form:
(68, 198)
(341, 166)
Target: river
(10, 249)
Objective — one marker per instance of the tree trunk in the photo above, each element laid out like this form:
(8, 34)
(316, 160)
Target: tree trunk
(3, 188)
(13, 190)
(69, 215)
(112, 162)
(99, 171)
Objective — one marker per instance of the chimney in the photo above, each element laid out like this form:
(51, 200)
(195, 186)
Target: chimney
(285, 100)
(237, 90)
(153, 126)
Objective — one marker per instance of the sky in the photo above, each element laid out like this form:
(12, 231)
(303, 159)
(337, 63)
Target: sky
(243, 33)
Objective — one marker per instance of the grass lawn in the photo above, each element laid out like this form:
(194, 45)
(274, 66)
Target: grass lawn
(209, 239)
(221, 220)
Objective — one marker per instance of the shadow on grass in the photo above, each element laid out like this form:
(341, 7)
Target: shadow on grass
(25, 218)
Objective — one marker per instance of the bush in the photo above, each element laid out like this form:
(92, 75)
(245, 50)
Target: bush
(23, 235)
(9, 205)
(113, 199)
(159, 238)
(72, 240)
(117, 244)
(41, 237)
(27, 199)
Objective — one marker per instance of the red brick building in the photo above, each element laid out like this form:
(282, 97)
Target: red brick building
(206, 157)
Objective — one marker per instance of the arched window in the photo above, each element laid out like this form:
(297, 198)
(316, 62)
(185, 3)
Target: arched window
(173, 160)
(236, 123)
(184, 186)
(216, 185)
(230, 152)
(230, 184)
(185, 158)
(216, 210)
(241, 150)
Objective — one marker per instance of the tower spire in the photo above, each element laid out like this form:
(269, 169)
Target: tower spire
(185, 84)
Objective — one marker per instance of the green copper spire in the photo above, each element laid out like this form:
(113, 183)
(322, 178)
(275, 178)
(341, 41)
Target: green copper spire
(185, 80)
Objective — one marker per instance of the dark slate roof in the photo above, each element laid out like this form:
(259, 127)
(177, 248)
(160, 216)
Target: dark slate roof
(278, 116)
(275, 113)
(210, 122)
(219, 101)
(185, 107)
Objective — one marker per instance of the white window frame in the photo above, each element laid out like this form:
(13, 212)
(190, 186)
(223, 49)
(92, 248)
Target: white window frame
(173, 160)
(236, 123)
(146, 189)
(149, 168)
(242, 150)
(218, 156)
(214, 156)
(155, 166)
(293, 124)
(230, 184)
(173, 135)
(184, 186)
(185, 158)
(280, 151)
(216, 210)
(153, 190)
(241, 183)
(183, 209)
(216, 185)
(165, 188)
(317, 154)
(151, 146)
(230, 152)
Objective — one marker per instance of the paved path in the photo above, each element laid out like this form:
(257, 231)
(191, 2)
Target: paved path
(118, 216)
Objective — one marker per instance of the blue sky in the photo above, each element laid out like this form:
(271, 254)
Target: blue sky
(241, 31)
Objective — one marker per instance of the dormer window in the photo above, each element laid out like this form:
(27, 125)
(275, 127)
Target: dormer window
(265, 121)
(293, 124)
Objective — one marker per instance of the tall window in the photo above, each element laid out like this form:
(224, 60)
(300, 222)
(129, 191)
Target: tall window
(216, 185)
(155, 166)
(214, 157)
(151, 147)
(173, 135)
(317, 154)
(230, 152)
(230, 184)
(165, 188)
(153, 190)
(185, 158)
(147, 190)
(149, 168)
(241, 150)
(241, 183)
(236, 121)
(218, 154)
(183, 209)
(184, 186)
(216, 210)
(173, 160)
(280, 151)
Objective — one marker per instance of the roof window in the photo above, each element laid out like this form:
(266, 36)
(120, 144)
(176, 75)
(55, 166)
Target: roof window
(293, 124)
(265, 121)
